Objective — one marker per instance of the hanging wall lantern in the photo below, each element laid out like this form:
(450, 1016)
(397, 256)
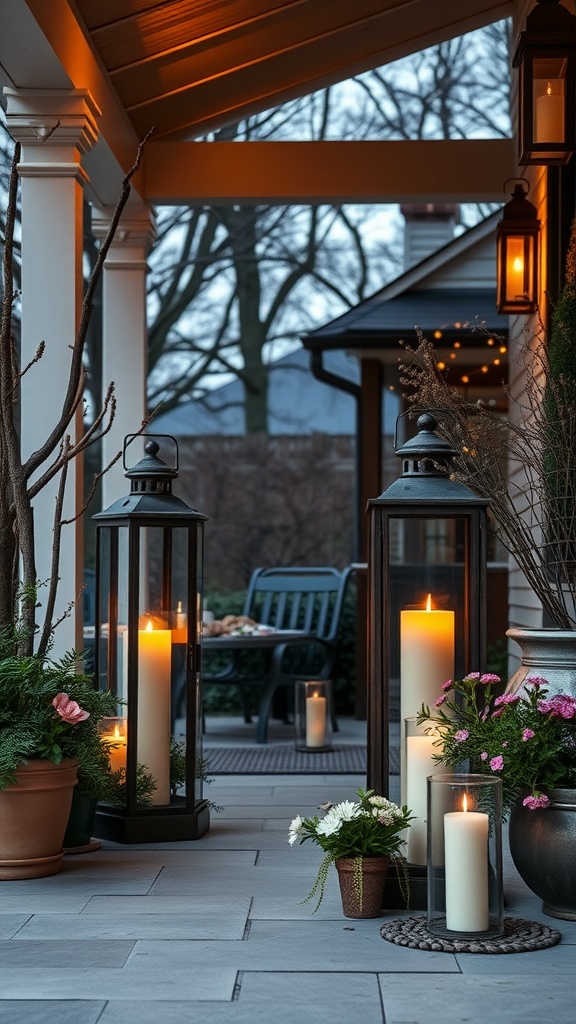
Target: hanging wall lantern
(426, 596)
(545, 57)
(149, 558)
(517, 254)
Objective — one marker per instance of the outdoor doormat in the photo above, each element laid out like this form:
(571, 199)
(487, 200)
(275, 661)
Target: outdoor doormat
(519, 936)
(283, 760)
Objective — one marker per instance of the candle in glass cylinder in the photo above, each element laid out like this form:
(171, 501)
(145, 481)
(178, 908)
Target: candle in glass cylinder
(115, 738)
(315, 720)
(466, 865)
(549, 117)
(154, 679)
(426, 656)
(419, 765)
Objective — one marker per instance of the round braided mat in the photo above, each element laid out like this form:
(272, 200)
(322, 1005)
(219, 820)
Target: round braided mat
(519, 937)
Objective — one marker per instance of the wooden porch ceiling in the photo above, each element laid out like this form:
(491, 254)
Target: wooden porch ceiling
(190, 67)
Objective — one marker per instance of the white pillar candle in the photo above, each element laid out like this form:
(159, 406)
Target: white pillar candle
(426, 656)
(154, 679)
(466, 865)
(549, 125)
(315, 720)
(419, 765)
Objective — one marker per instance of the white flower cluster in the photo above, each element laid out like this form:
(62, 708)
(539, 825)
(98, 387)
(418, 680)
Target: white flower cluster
(385, 810)
(295, 830)
(335, 817)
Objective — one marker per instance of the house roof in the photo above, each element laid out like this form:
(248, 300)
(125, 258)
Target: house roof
(452, 288)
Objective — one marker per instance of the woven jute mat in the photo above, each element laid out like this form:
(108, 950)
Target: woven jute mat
(519, 936)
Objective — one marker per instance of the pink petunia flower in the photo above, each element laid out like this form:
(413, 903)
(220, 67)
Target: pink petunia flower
(507, 698)
(497, 763)
(69, 710)
(534, 802)
(461, 735)
(528, 734)
(471, 677)
(535, 681)
(489, 677)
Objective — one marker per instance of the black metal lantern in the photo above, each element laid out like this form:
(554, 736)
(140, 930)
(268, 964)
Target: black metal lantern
(149, 562)
(426, 597)
(545, 57)
(517, 254)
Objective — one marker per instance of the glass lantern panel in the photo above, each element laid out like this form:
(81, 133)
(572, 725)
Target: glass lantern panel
(198, 774)
(427, 608)
(548, 110)
(112, 611)
(519, 268)
(181, 624)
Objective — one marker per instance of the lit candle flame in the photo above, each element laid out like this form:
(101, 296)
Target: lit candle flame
(549, 89)
(429, 603)
(116, 733)
(518, 264)
(465, 802)
(149, 627)
(179, 607)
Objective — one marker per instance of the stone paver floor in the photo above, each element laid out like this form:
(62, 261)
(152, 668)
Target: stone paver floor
(215, 931)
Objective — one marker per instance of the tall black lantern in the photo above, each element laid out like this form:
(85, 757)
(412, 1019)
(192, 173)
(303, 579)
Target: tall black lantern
(149, 562)
(545, 57)
(517, 254)
(427, 595)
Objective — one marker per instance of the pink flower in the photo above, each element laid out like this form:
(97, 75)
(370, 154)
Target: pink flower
(461, 735)
(505, 744)
(528, 734)
(489, 677)
(69, 710)
(561, 706)
(497, 763)
(483, 756)
(534, 802)
(535, 681)
(447, 685)
(507, 698)
(438, 703)
(471, 677)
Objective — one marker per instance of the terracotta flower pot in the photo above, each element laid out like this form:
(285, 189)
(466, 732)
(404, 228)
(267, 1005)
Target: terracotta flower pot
(34, 813)
(362, 882)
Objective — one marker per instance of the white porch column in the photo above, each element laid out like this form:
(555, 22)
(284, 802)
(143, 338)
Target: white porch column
(54, 127)
(124, 336)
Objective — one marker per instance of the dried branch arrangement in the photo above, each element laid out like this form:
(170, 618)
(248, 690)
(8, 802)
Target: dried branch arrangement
(525, 463)
(22, 479)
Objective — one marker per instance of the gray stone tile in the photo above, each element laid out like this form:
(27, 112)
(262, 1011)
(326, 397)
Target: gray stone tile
(10, 924)
(298, 947)
(27, 901)
(451, 999)
(281, 997)
(196, 983)
(50, 1011)
(61, 953)
(135, 917)
(284, 811)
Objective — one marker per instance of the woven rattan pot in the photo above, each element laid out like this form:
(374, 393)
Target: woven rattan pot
(362, 885)
(33, 817)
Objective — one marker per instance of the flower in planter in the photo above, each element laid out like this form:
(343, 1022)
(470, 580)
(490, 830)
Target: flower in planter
(527, 739)
(369, 827)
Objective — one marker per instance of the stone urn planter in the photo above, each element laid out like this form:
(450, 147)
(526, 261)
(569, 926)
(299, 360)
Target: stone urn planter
(362, 881)
(543, 848)
(34, 813)
(549, 653)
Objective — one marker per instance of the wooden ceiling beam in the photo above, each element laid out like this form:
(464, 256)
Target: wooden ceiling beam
(328, 172)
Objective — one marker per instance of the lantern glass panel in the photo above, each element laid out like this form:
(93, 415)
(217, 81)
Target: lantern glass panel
(549, 99)
(519, 268)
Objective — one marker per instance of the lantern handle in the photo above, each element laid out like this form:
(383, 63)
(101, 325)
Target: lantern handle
(518, 180)
(416, 410)
(131, 437)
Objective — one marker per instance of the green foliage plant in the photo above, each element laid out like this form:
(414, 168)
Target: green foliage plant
(372, 826)
(50, 710)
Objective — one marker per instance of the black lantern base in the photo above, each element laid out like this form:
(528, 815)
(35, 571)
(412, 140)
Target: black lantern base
(152, 828)
(406, 891)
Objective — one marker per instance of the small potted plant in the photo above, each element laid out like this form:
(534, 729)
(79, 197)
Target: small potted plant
(528, 740)
(360, 838)
(49, 715)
